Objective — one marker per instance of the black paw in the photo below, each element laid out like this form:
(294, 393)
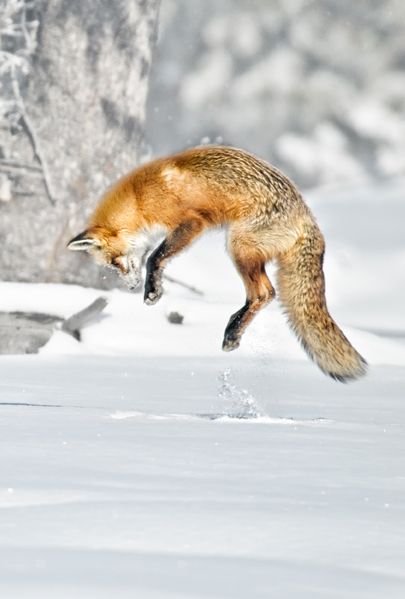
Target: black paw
(230, 342)
(153, 292)
(234, 329)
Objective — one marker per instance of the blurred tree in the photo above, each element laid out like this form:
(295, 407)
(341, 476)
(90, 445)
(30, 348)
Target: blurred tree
(73, 82)
(315, 86)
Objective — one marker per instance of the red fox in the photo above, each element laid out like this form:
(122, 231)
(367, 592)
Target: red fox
(181, 195)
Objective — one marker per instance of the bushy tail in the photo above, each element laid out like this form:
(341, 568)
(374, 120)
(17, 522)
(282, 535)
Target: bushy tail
(302, 294)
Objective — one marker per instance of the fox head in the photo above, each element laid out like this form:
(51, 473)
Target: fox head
(119, 249)
(112, 249)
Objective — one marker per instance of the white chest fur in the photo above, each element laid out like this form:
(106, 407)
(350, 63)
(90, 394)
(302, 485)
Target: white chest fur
(145, 239)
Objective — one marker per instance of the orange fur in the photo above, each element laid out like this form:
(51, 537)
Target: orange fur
(266, 218)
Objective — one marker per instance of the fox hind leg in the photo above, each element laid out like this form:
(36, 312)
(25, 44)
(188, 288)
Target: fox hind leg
(250, 264)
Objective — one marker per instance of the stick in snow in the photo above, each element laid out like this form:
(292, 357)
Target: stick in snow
(77, 321)
(177, 282)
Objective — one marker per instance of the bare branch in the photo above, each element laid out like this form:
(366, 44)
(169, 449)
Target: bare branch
(19, 165)
(182, 284)
(30, 130)
(16, 168)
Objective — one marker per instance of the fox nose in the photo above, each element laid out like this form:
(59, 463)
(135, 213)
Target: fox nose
(121, 265)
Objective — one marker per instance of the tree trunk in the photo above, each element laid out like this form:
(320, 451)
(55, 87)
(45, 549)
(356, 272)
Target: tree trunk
(81, 120)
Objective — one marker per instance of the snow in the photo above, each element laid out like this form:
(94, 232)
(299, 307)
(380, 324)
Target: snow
(144, 462)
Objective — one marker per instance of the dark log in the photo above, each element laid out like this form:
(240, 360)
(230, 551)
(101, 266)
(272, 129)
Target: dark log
(27, 332)
(77, 321)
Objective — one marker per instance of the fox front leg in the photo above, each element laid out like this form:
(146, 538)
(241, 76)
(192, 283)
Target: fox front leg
(178, 239)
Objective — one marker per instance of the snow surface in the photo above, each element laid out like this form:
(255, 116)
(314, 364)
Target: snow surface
(144, 462)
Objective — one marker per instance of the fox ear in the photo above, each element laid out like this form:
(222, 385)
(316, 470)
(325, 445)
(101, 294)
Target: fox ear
(84, 241)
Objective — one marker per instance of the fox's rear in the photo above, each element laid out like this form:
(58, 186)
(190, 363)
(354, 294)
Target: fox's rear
(182, 195)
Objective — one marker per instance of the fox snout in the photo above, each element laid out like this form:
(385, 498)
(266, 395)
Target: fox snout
(128, 270)
(133, 278)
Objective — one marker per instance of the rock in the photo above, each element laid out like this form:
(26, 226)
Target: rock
(175, 318)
